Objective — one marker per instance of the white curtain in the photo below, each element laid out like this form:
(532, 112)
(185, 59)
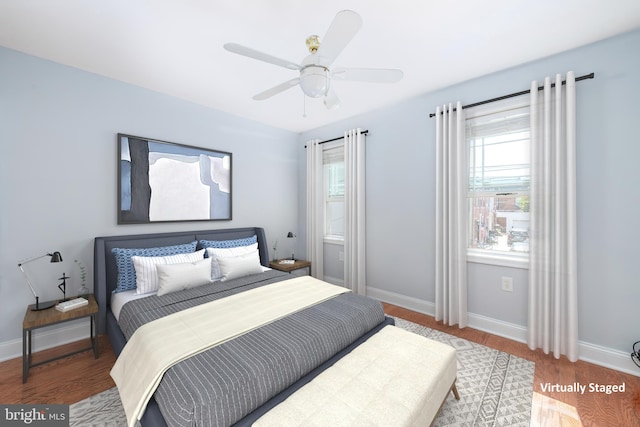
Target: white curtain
(354, 223)
(553, 301)
(451, 214)
(315, 208)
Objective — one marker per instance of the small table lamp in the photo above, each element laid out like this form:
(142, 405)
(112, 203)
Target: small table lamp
(291, 235)
(55, 257)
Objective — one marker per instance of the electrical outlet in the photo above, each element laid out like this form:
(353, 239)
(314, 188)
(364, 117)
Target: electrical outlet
(507, 284)
(341, 256)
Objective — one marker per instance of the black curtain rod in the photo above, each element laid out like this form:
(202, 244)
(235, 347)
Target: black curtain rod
(512, 95)
(364, 132)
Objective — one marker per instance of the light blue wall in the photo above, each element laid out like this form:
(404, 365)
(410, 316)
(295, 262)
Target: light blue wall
(58, 169)
(401, 192)
(58, 180)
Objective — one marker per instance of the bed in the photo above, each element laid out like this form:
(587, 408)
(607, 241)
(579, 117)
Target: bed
(301, 345)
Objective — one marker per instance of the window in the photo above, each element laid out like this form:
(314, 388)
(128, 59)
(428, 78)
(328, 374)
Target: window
(333, 171)
(499, 178)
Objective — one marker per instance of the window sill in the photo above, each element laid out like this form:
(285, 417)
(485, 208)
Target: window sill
(334, 240)
(500, 259)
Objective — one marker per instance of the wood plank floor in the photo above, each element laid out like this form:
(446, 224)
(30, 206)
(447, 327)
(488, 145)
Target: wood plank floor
(67, 380)
(72, 379)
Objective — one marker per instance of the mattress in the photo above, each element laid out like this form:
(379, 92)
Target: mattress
(119, 299)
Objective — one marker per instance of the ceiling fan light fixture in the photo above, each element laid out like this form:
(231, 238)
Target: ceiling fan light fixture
(314, 81)
(316, 69)
(313, 43)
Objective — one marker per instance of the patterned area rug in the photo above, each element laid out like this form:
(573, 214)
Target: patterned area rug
(495, 389)
(100, 410)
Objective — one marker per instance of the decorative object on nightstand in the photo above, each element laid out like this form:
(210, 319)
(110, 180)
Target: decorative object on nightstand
(63, 286)
(83, 290)
(291, 235)
(55, 257)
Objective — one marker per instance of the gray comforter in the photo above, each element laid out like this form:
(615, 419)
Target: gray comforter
(223, 384)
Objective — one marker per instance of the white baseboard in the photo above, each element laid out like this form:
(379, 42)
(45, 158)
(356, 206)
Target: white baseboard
(498, 327)
(592, 353)
(607, 357)
(410, 303)
(47, 338)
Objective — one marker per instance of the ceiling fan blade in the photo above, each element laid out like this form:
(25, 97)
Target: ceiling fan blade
(344, 26)
(276, 89)
(373, 75)
(255, 54)
(331, 100)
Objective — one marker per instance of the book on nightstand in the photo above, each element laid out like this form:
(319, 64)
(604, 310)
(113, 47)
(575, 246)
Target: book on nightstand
(71, 304)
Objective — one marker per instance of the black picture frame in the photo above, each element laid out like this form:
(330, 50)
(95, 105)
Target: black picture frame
(161, 181)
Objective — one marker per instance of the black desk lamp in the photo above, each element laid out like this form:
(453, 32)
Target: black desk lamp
(55, 257)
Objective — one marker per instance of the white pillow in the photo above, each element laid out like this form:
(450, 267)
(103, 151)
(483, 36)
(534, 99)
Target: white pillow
(215, 253)
(176, 277)
(146, 273)
(240, 266)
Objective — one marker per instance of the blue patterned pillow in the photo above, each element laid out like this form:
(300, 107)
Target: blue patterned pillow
(126, 270)
(229, 243)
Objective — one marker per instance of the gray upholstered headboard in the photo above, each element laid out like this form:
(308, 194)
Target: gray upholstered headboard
(105, 271)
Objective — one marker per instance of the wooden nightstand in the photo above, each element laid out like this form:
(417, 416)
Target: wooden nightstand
(51, 316)
(290, 268)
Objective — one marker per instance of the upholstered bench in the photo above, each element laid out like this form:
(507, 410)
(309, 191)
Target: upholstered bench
(395, 378)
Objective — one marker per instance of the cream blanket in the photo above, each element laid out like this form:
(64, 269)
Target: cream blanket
(158, 345)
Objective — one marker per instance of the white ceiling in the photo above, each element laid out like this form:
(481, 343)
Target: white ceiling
(175, 46)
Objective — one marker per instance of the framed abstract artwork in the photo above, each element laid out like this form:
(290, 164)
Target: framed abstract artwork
(160, 181)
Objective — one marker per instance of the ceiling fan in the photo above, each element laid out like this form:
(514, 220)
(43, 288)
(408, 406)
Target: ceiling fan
(315, 69)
